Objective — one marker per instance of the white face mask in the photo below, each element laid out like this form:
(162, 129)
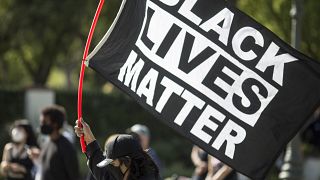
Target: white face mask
(17, 135)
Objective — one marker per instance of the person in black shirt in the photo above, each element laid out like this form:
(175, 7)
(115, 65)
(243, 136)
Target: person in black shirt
(124, 158)
(58, 158)
(16, 164)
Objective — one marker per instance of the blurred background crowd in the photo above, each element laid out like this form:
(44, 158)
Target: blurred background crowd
(175, 156)
(41, 43)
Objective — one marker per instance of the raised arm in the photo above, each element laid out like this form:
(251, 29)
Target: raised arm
(94, 152)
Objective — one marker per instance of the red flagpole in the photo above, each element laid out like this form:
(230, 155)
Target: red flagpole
(83, 67)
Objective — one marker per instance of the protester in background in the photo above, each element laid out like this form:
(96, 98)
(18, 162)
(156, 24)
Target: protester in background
(200, 160)
(219, 171)
(124, 158)
(310, 134)
(144, 137)
(16, 164)
(58, 158)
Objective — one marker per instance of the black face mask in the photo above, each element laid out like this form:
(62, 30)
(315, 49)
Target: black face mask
(46, 129)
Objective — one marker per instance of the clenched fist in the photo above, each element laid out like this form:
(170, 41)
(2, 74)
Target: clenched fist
(84, 131)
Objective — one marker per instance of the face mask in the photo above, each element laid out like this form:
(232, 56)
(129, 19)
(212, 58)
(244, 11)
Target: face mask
(46, 129)
(17, 135)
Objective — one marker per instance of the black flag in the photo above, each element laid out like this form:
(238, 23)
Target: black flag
(213, 74)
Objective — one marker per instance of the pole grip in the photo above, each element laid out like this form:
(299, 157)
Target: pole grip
(83, 144)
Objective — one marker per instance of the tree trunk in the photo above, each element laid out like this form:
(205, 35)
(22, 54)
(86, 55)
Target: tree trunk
(42, 72)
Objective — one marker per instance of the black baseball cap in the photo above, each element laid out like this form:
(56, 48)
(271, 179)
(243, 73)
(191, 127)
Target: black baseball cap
(123, 145)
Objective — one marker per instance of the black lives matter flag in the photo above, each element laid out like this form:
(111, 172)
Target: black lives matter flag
(213, 74)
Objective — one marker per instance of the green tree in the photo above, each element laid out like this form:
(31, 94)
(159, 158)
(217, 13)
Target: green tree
(275, 15)
(39, 35)
(311, 26)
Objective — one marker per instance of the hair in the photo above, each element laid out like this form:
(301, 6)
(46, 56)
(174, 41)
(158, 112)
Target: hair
(25, 124)
(56, 114)
(140, 165)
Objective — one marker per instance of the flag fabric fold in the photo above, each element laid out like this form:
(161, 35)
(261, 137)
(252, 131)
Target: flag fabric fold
(213, 74)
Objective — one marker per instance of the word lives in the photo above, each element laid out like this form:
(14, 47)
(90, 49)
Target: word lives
(190, 55)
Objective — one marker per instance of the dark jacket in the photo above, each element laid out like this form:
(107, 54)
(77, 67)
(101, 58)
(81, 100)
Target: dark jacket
(59, 160)
(95, 155)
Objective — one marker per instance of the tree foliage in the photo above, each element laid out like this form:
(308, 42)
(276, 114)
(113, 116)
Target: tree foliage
(40, 36)
(275, 15)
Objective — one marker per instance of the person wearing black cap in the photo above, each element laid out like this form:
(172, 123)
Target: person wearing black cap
(123, 158)
(58, 158)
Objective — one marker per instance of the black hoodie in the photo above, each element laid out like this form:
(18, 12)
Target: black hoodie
(95, 155)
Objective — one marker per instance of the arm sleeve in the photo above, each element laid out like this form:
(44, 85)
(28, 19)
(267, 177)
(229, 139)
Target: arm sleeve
(154, 156)
(95, 155)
